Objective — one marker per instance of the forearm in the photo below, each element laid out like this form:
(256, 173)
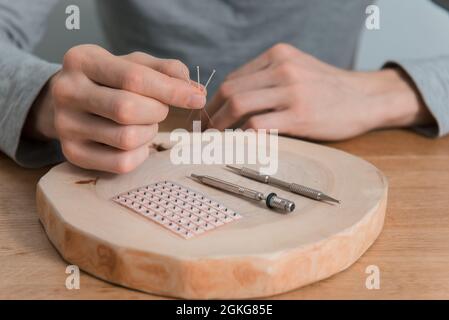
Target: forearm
(40, 120)
(23, 78)
(23, 75)
(392, 99)
(431, 78)
(305, 97)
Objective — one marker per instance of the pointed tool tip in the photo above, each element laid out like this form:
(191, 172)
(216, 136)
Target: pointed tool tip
(327, 198)
(233, 167)
(194, 176)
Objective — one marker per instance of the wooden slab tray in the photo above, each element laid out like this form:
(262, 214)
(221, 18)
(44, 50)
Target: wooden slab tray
(263, 254)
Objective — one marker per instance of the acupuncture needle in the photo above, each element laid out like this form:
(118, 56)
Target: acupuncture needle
(205, 87)
(207, 83)
(198, 86)
(198, 83)
(293, 187)
(189, 82)
(210, 78)
(198, 75)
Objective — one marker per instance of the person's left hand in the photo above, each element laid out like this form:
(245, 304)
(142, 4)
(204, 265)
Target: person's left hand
(287, 89)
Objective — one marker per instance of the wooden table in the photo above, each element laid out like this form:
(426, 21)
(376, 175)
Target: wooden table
(412, 252)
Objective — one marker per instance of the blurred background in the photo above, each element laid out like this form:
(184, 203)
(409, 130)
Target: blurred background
(409, 29)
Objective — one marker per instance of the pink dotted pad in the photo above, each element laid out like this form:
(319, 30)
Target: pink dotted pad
(183, 211)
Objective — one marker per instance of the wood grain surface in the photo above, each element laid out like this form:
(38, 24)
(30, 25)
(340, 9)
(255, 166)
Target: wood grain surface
(263, 254)
(412, 251)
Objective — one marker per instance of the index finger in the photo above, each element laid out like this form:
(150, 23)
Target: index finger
(115, 72)
(169, 67)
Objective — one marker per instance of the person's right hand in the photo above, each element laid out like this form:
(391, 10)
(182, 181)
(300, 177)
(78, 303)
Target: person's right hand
(106, 108)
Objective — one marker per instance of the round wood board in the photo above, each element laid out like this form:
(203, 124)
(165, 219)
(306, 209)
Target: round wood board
(263, 254)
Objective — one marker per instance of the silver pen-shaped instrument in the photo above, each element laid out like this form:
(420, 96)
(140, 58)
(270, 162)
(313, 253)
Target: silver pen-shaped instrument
(272, 200)
(293, 187)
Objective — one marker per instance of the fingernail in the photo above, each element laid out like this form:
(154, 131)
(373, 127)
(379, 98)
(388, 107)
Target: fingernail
(197, 101)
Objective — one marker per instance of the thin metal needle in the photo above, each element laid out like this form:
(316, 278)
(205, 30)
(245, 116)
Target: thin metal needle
(199, 83)
(205, 87)
(207, 83)
(210, 78)
(207, 115)
(189, 82)
(198, 75)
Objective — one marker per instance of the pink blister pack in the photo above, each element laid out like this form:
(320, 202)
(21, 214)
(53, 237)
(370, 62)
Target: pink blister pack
(185, 212)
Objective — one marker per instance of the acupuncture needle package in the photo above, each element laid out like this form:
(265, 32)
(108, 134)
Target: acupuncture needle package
(183, 211)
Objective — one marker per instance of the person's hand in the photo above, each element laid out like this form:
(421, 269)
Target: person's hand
(289, 90)
(105, 109)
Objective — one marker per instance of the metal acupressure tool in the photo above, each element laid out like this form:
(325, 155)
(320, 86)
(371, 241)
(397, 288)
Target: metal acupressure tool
(293, 187)
(271, 200)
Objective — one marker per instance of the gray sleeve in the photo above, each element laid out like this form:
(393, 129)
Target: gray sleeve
(431, 77)
(22, 76)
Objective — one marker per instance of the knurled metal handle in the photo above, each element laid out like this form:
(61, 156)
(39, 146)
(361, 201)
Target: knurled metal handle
(305, 191)
(280, 203)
